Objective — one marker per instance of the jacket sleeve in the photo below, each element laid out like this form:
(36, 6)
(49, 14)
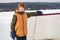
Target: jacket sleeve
(31, 14)
(13, 23)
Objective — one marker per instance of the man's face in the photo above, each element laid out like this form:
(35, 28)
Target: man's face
(21, 9)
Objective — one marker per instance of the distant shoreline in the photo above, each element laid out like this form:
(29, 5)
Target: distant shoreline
(31, 5)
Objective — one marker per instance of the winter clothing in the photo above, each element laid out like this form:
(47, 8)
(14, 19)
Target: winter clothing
(39, 13)
(19, 24)
(21, 38)
(12, 34)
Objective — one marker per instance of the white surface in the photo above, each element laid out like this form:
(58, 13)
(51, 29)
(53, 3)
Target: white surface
(5, 21)
(7, 1)
(46, 11)
(46, 27)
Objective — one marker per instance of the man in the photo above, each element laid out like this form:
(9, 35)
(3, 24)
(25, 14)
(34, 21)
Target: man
(19, 23)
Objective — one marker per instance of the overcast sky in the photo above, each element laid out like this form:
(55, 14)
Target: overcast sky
(7, 1)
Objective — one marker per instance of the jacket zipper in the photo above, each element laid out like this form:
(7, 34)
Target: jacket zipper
(23, 24)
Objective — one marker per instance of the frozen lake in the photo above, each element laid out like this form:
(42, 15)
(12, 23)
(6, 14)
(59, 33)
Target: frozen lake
(45, 27)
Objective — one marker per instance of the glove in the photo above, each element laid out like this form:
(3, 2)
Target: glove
(39, 12)
(12, 34)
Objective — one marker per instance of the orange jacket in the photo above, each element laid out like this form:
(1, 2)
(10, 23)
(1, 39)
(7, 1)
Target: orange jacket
(21, 25)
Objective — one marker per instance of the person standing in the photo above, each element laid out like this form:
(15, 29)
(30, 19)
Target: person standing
(19, 22)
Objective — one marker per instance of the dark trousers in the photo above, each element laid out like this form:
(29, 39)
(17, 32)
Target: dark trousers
(21, 38)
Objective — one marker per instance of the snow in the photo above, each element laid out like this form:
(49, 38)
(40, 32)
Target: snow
(5, 21)
(46, 26)
(47, 11)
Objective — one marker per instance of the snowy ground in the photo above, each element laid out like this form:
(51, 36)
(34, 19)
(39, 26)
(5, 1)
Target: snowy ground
(46, 27)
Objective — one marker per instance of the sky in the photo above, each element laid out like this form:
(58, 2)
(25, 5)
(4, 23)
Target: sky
(8, 1)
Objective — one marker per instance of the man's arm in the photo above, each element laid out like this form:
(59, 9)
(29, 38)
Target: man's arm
(31, 14)
(34, 13)
(13, 23)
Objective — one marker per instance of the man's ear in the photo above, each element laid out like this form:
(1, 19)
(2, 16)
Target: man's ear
(16, 10)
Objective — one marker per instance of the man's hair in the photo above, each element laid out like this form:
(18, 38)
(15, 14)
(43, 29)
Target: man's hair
(22, 4)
